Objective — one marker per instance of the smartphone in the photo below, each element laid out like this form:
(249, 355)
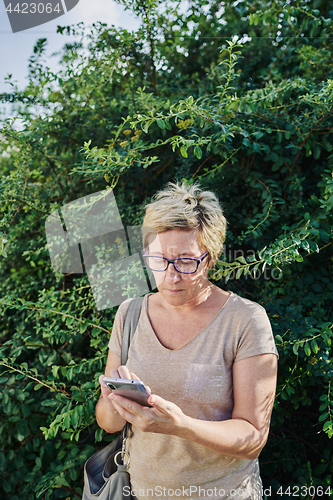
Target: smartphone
(135, 390)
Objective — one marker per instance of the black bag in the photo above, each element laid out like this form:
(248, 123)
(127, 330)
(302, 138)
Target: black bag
(105, 478)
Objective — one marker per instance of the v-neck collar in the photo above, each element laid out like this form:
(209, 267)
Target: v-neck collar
(196, 336)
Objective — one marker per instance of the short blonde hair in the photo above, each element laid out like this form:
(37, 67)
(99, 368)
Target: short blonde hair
(182, 206)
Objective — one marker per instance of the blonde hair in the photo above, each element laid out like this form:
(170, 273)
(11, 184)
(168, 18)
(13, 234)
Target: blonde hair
(182, 206)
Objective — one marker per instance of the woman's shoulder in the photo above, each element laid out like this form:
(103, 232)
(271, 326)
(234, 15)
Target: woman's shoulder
(244, 306)
(123, 308)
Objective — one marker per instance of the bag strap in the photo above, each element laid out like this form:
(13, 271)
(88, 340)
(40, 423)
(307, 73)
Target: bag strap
(130, 324)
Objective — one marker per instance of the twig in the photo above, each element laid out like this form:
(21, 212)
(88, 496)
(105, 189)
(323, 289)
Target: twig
(25, 182)
(152, 56)
(195, 173)
(31, 206)
(56, 312)
(306, 138)
(304, 441)
(71, 491)
(34, 378)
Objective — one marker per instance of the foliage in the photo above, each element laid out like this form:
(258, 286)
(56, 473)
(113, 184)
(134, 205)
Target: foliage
(236, 96)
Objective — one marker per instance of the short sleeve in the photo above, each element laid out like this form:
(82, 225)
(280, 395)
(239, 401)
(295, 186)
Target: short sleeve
(117, 329)
(257, 337)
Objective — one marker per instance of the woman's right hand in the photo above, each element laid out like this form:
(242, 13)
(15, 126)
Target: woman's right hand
(107, 416)
(121, 372)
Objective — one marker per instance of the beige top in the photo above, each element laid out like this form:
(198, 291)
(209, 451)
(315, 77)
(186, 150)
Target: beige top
(198, 378)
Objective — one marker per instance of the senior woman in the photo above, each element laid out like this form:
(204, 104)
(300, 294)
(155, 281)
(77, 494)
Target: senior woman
(208, 356)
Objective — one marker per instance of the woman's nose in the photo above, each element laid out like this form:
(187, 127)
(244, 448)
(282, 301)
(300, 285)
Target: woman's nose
(171, 271)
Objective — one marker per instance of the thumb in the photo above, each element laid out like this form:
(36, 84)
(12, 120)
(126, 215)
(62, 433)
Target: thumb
(157, 402)
(104, 388)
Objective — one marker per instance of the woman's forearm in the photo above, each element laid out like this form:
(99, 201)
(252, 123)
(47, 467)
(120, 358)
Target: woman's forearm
(107, 417)
(235, 437)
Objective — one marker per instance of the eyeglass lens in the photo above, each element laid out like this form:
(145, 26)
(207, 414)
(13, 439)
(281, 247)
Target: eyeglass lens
(160, 264)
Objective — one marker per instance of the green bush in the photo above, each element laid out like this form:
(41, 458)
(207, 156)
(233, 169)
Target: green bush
(239, 98)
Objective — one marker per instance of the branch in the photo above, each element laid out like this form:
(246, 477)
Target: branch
(151, 41)
(306, 138)
(195, 173)
(79, 320)
(71, 491)
(34, 378)
(31, 206)
(25, 182)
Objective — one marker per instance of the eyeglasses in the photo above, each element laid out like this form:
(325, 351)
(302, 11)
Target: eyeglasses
(184, 265)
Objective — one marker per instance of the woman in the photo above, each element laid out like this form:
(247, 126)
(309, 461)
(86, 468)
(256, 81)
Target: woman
(208, 356)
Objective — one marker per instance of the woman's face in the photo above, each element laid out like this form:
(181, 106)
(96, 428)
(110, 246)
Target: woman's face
(178, 288)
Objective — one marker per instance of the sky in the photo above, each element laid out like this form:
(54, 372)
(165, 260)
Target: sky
(16, 48)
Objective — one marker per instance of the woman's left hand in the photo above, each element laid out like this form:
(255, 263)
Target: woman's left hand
(163, 417)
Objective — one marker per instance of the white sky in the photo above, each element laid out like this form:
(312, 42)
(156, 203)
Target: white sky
(16, 48)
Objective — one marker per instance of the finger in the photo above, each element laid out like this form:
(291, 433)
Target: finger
(133, 376)
(160, 404)
(113, 373)
(123, 409)
(125, 414)
(104, 388)
(131, 407)
(124, 372)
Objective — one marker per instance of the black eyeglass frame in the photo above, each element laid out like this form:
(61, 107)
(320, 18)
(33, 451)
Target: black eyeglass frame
(173, 261)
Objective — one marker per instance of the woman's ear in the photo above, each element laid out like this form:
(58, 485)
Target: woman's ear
(209, 263)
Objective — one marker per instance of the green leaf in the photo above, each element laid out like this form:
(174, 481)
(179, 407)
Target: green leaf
(239, 272)
(323, 406)
(67, 422)
(307, 349)
(317, 151)
(83, 327)
(69, 321)
(295, 349)
(320, 469)
(75, 418)
(314, 346)
(323, 416)
(327, 426)
(183, 151)
(313, 245)
(198, 152)
(160, 123)
(95, 332)
(167, 125)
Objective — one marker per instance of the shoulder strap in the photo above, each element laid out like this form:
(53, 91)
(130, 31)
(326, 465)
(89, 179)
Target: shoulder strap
(130, 323)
